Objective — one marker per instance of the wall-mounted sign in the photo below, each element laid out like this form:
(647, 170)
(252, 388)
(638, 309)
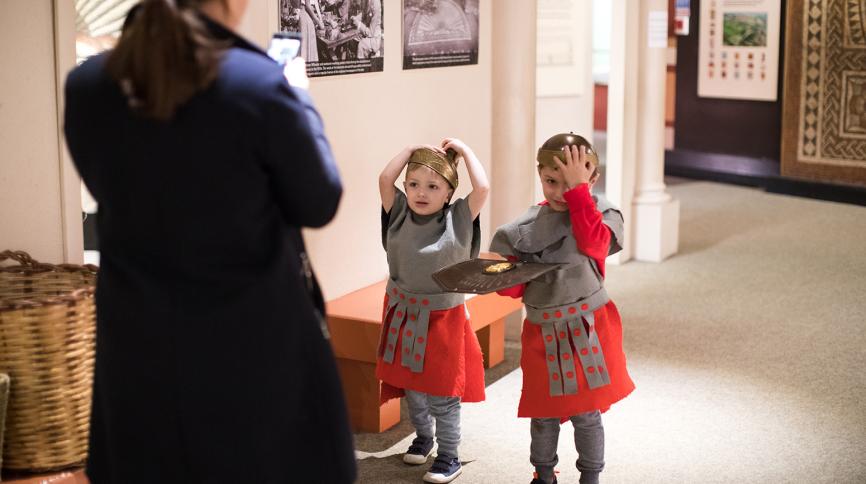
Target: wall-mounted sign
(337, 36)
(439, 33)
(561, 53)
(682, 13)
(739, 49)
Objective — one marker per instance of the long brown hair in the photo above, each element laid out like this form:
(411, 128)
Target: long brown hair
(165, 55)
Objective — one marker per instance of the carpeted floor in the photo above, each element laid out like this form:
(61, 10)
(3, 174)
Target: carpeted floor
(748, 349)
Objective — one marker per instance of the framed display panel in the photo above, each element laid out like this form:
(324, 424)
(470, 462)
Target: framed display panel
(739, 49)
(439, 33)
(337, 36)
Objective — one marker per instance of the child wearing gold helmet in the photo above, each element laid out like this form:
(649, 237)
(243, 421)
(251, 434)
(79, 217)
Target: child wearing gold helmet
(572, 359)
(428, 351)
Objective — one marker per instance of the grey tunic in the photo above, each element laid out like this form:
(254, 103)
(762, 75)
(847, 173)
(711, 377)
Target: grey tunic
(419, 245)
(544, 235)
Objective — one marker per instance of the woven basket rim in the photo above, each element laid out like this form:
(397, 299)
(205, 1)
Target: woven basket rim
(28, 266)
(72, 297)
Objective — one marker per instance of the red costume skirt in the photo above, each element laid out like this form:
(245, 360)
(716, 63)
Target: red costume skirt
(535, 399)
(453, 365)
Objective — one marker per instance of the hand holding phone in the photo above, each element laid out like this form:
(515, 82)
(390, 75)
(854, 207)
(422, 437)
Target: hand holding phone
(296, 73)
(284, 47)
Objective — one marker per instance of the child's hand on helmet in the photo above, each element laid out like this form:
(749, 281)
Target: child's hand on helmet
(576, 167)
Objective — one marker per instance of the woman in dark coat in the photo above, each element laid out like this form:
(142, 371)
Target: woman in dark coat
(212, 363)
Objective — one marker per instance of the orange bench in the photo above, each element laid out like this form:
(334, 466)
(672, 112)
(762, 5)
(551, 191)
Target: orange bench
(355, 322)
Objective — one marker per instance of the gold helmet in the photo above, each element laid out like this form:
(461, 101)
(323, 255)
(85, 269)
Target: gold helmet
(556, 143)
(445, 165)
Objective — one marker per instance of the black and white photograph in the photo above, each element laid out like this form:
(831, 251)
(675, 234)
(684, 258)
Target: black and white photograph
(337, 36)
(439, 33)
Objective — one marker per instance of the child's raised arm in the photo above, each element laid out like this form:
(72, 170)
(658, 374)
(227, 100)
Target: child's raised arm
(390, 174)
(477, 177)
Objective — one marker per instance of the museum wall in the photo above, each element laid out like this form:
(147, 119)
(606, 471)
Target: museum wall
(368, 119)
(749, 129)
(30, 188)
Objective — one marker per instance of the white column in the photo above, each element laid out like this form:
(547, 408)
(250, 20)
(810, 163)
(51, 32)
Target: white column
(656, 213)
(622, 99)
(512, 174)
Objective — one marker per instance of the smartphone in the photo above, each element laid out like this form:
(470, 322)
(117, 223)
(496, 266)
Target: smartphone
(285, 46)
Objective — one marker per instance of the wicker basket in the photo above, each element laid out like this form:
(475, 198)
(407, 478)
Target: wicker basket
(47, 333)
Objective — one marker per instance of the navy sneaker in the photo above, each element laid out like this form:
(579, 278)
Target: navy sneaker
(444, 469)
(419, 451)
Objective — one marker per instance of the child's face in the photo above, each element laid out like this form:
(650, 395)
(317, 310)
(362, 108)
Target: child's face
(553, 186)
(426, 190)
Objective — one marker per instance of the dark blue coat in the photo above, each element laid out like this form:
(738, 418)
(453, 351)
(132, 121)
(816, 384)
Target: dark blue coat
(211, 365)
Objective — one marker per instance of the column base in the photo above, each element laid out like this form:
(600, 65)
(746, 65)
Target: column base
(656, 229)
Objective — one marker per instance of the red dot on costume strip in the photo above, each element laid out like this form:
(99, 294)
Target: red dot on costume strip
(570, 374)
(399, 314)
(390, 347)
(577, 332)
(425, 302)
(420, 340)
(572, 310)
(600, 369)
(409, 333)
(584, 352)
(584, 306)
(412, 300)
(558, 314)
(549, 338)
(545, 316)
(393, 330)
(565, 356)
(595, 349)
(402, 296)
(406, 350)
(394, 291)
(555, 376)
(417, 357)
(562, 335)
(551, 357)
(412, 317)
(591, 369)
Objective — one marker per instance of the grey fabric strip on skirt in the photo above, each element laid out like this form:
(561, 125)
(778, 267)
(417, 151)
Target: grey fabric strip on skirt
(566, 338)
(411, 315)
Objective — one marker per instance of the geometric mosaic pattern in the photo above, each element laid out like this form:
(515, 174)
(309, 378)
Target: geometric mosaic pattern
(855, 24)
(832, 124)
